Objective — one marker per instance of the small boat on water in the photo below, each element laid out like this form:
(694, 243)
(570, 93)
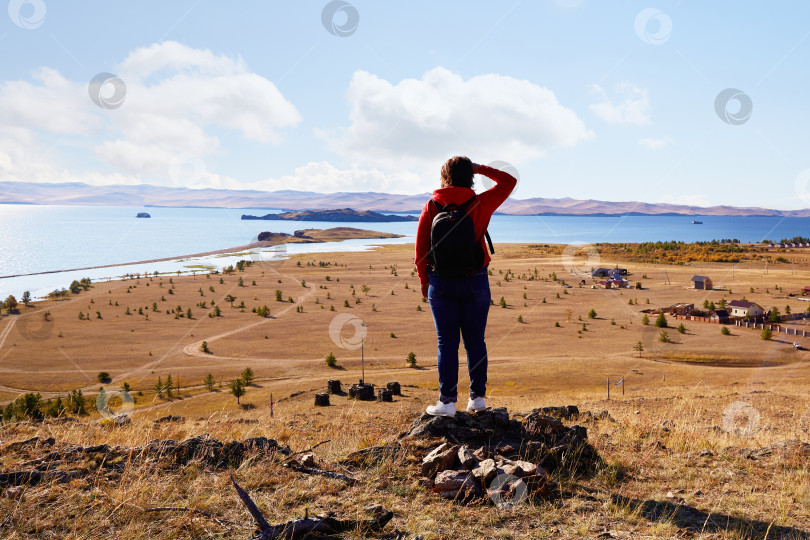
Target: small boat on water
(696, 222)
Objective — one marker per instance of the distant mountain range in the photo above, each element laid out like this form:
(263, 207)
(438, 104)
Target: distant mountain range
(288, 200)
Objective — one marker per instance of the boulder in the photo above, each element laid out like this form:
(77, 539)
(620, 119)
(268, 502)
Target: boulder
(466, 458)
(333, 386)
(452, 484)
(395, 388)
(440, 459)
(322, 400)
(485, 471)
(384, 394)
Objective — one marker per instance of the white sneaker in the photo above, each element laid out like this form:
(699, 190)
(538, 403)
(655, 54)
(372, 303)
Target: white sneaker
(442, 409)
(476, 405)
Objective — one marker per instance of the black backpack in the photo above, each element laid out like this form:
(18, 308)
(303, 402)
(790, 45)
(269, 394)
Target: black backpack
(454, 250)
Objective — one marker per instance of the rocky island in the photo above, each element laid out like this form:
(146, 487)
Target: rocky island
(143, 215)
(309, 236)
(340, 214)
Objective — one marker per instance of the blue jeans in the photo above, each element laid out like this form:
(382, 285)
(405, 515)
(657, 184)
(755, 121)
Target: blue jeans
(460, 307)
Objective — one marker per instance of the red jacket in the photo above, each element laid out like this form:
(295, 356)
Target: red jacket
(480, 212)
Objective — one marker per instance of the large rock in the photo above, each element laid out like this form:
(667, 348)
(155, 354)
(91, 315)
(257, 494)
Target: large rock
(466, 458)
(440, 459)
(452, 484)
(485, 471)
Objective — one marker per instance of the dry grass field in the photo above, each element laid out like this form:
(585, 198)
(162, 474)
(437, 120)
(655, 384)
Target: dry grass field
(672, 467)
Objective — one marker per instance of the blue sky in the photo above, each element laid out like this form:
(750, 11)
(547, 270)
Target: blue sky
(587, 99)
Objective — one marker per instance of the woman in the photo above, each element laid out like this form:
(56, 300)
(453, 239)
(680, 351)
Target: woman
(459, 303)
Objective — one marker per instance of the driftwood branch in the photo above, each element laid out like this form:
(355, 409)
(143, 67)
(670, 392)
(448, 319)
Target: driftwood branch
(310, 449)
(303, 528)
(319, 472)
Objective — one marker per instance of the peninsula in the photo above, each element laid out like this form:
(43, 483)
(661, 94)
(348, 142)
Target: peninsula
(340, 214)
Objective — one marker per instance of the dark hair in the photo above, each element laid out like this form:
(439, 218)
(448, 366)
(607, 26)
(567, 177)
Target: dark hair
(457, 171)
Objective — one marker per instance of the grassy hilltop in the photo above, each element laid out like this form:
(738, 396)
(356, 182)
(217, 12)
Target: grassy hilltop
(695, 447)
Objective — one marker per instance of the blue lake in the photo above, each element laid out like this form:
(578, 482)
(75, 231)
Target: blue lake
(52, 238)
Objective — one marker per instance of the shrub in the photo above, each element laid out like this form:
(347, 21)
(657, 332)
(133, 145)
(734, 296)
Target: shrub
(331, 361)
(681, 329)
(767, 333)
(592, 314)
(664, 337)
(725, 331)
(503, 302)
(103, 377)
(645, 320)
(520, 318)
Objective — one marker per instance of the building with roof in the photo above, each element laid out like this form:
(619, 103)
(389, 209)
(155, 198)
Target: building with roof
(743, 308)
(702, 282)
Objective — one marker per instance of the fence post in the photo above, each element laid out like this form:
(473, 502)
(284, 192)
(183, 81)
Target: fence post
(608, 387)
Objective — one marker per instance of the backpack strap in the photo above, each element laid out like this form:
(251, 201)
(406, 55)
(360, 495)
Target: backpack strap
(489, 241)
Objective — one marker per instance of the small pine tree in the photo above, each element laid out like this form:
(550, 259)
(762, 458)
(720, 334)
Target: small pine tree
(520, 319)
(209, 382)
(592, 314)
(247, 376)
(639, 347)
(159, 388)
(725, 331)
(204, 347)
(645, 320)
(682, 329)
(411, 359)
(169, 386)
(238, 389)
(503, 302)
(663, 337)
(331, 361)
(661, 321)
(767, 333)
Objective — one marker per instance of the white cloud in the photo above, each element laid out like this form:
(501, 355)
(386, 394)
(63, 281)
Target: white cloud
(689, 200)
(417, 124)
(655, 144)
(632, 107)
(176, 96)
(325, 178)
(51, 103)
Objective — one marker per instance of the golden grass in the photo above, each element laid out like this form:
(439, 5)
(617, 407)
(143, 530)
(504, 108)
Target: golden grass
(672, 409)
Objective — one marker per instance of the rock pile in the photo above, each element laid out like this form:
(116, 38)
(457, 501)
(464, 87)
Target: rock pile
(506, 458)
